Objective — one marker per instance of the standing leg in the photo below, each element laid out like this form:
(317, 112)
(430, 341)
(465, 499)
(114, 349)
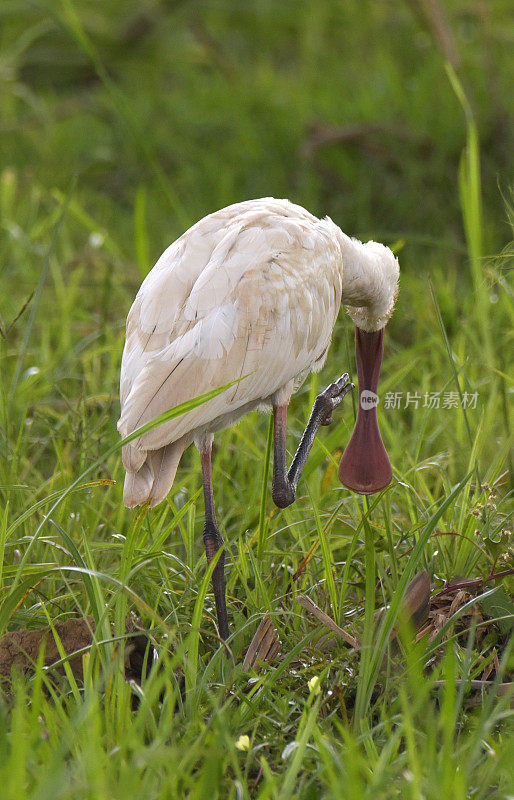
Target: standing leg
(284, 481)
(212, 538)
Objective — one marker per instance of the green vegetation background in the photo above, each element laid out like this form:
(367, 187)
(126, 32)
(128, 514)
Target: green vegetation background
(121, 124)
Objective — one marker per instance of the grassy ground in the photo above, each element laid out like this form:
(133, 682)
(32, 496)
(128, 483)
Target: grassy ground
(122, 123)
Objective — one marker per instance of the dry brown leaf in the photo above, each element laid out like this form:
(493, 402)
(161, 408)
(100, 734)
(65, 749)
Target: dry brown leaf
(443, 607)
(416, 603)
(264, 646)
(310, 606)
(415, 606)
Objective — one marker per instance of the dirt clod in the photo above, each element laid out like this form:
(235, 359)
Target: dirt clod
(19, 649)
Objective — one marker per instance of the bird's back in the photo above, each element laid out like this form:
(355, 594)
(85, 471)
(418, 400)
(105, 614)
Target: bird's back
(251, 290)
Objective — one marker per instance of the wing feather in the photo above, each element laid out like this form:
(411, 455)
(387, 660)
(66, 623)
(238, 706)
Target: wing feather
(250, 297)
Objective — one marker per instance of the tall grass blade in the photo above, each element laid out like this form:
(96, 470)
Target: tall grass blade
(392, 612)
(162, 418)
(39, 290)
(471, 204)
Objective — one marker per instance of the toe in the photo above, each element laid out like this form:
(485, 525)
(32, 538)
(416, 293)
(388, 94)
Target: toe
(341, 386)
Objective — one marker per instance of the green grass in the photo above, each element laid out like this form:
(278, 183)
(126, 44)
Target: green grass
(121, 124)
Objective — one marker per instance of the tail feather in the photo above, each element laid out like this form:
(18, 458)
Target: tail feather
(154, 479)
(133, 457)
(138, 486)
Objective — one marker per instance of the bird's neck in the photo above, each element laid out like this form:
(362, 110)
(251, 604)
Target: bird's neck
(370, 282)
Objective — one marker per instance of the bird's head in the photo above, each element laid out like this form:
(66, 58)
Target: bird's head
(365, 467)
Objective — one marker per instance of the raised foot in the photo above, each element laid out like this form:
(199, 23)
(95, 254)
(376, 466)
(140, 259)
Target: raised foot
(330, 398)
(283, 495)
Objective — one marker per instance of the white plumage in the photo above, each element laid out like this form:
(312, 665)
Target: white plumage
(253, 289)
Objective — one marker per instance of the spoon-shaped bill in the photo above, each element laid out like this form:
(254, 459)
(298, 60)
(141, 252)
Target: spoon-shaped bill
(365, 467)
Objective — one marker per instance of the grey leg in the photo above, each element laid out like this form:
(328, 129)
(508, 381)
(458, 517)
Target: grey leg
(213, 539)
(285, 482)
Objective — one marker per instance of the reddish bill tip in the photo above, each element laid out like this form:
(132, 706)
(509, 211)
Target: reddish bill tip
(365, 467)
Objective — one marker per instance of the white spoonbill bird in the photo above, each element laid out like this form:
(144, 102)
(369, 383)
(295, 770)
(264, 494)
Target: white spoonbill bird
(251, 291)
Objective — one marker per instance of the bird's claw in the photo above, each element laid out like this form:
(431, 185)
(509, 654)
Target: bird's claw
(335, 389)
(330, 398)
